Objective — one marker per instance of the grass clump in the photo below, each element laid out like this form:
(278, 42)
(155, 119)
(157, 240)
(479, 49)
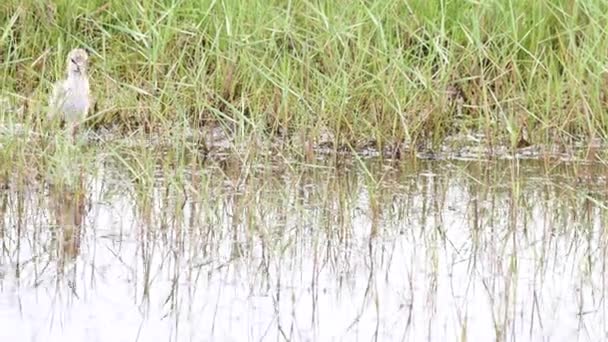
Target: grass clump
(386, 71)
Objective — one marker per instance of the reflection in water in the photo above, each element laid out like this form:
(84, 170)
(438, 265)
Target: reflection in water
(420, 251)
(67, 208)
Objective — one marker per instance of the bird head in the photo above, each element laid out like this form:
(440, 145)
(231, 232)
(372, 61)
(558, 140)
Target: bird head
(78, 62)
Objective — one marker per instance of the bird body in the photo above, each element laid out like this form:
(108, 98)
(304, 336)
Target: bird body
(70, 99)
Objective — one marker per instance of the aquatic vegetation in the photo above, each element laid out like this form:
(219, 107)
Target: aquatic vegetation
(384, 72)
(280, 250)
(296, 170)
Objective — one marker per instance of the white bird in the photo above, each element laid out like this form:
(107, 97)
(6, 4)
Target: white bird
(70, 99)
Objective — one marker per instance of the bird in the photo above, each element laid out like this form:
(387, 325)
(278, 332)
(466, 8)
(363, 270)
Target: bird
(71, 99)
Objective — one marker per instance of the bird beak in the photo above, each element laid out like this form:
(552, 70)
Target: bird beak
(76, 64)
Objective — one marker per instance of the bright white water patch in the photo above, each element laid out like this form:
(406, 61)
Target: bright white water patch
(437, 254)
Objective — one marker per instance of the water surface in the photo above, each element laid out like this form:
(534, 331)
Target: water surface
(339, 249)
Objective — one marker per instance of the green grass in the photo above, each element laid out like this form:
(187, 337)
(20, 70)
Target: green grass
(364, 70)
(170, 73)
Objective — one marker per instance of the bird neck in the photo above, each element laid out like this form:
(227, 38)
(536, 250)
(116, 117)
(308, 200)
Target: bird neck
(76, 75)
(78, 81)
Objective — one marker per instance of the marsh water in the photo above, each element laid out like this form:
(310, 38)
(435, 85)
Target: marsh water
(335, 249)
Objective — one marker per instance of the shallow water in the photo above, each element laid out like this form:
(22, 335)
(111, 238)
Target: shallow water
(343, 250)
